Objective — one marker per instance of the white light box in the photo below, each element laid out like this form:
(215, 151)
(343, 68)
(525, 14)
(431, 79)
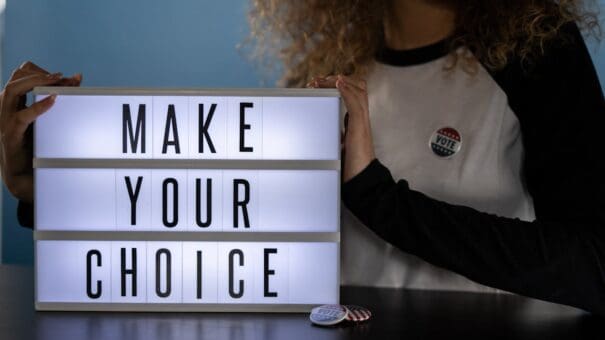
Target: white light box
(189, 127)
(187, 272)
(187, 200)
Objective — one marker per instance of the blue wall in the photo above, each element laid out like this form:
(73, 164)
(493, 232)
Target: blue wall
(598, 49)
(147, 43)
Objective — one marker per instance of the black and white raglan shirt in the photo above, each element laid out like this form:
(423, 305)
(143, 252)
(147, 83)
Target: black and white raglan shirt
(483, 182)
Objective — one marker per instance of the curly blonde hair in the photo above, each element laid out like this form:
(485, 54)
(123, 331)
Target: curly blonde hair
(319, 37)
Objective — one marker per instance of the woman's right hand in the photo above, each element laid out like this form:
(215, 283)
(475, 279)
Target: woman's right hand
(15, 120)
(358, 145)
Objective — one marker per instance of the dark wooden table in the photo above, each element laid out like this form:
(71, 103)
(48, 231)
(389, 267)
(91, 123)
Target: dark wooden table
(398, 314)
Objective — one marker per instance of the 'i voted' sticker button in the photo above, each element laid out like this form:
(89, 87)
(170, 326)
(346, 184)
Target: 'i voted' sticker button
(445, 142)
(328, 315)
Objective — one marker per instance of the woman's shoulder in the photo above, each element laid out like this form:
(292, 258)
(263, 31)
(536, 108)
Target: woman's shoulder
(555, 81)
(560, 57)
(561, 109)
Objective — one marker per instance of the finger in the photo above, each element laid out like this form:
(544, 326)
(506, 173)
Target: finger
(328, 82)
(28, 65)
(352, 98)
(27, 68)
(74, 80)
(314, 79)
(314, 82)
(20, 87)
(18, 74)
(66, 82)
(21, 73)
(357, 82)
(342, 82)
(27, 116)
(323, 82)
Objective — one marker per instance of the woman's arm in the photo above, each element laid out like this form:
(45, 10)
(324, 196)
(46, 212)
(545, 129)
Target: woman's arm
(556, 260)
(559, 257)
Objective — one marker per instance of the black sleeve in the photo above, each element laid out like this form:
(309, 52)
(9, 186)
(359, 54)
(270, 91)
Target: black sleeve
(558, 257)
(25, 214)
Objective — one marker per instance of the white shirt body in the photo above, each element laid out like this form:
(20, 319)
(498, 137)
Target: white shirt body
(408, 104)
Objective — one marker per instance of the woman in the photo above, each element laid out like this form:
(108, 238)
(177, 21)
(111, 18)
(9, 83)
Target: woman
(489, 115)
(488, 112)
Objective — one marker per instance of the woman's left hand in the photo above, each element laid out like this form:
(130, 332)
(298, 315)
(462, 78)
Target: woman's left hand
(358, 146)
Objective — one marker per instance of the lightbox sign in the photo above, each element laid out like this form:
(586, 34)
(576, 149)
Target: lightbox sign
(187, 200)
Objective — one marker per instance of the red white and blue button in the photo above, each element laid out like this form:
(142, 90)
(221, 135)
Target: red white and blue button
(358, 313)
(445, 142)
(328, 315)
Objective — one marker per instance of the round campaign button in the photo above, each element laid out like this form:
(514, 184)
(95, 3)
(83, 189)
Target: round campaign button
(445, 142)
(328, 315)
(357, 313)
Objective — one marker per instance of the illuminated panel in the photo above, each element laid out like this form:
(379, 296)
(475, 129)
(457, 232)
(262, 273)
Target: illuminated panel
(171, 200)
(170, 121)
(300, 128)
(200, 272)
(172, 127)
(75, 199)
(187, 272)
(91, 127)
(205, 200)
(208, 114)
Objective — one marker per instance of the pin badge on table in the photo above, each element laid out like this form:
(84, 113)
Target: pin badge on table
(329, 315)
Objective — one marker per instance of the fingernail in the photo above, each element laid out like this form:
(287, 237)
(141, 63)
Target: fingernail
(52, 97)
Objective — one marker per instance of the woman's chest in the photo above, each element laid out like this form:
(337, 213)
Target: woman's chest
(451, 136)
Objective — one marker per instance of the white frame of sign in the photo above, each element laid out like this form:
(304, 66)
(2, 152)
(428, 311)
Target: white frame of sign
(299, 237)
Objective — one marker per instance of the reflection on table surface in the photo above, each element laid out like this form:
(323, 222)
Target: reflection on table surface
(396, 314)
(179, 326)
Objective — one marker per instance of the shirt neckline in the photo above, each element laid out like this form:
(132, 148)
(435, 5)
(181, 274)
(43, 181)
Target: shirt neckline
(413, 56)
